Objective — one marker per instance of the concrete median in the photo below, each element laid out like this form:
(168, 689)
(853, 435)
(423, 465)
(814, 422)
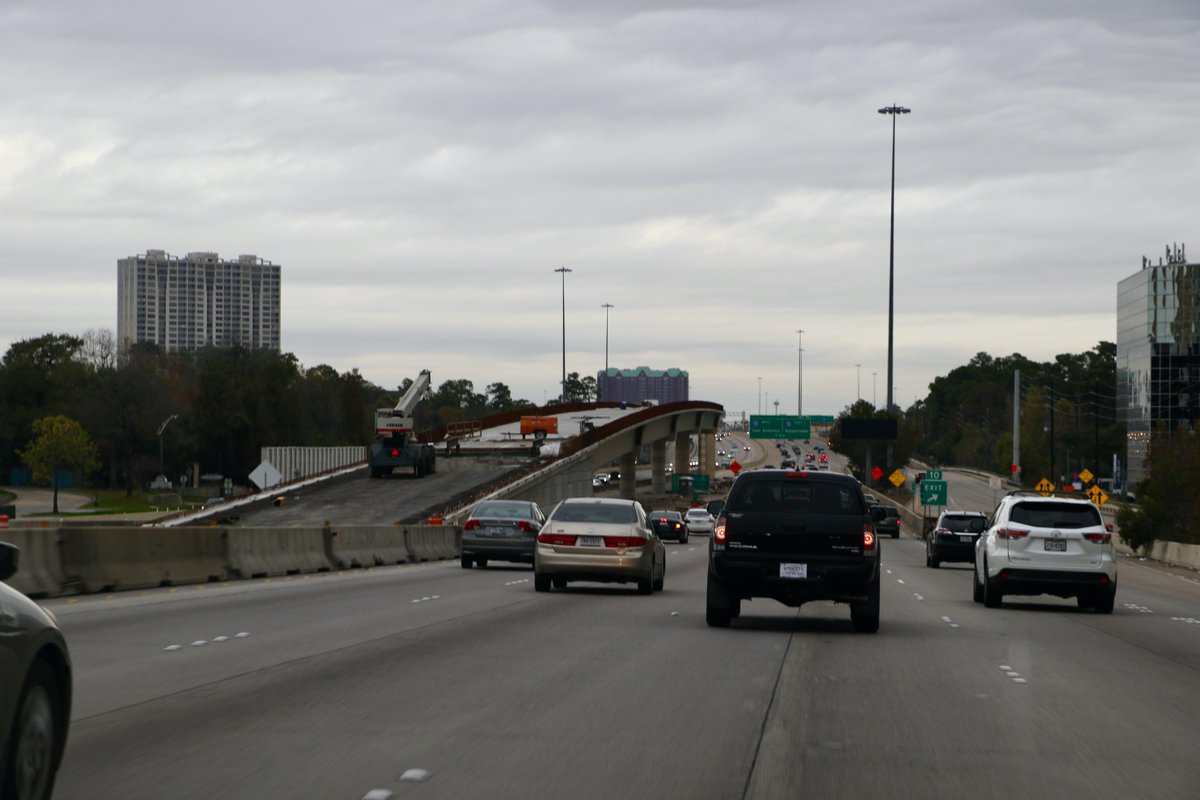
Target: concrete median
(267, 552)
(433, 542)
(97, 559)
(365, 546)
(39, 567)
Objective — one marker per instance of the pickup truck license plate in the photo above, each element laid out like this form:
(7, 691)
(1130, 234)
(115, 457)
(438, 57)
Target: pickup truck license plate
(966, 538)
(793, 571)
(1057, 545)
(591, 541)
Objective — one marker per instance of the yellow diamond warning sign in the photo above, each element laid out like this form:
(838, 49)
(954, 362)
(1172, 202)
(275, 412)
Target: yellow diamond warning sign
(1098, 495)
(1086, 476)
(897, 478)
(1044, 487)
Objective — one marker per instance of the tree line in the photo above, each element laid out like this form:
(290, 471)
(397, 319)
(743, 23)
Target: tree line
(146, 410)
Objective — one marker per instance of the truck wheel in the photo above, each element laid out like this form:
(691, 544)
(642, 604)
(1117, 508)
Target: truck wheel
(717, 610)
(865, 615)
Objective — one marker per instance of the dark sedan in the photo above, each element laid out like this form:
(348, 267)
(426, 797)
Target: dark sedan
(503, 530)
(953, 538)
(669, 525)
(887, 520)
(35, 691)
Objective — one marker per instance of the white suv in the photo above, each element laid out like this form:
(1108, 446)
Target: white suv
(1046, 545)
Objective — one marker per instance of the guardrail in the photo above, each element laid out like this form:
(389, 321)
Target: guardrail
(69, 560)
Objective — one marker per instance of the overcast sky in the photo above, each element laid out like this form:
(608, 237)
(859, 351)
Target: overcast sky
(716, 171)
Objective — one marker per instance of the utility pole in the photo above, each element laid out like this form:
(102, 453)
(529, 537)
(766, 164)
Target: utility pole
(563, 396)
(800, 383)
(1016, 450)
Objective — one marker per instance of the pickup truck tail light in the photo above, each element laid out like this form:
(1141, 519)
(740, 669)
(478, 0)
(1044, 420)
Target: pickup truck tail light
(868, 538)
(719, 532)
(562, 539)
(1011, 533)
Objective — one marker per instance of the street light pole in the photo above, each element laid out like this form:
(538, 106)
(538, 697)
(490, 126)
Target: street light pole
(606, 307)
(858, 379)
(564, 270)
(800, 382)
(873, 401)
(893, 111)
(162, 428)
(760, 394)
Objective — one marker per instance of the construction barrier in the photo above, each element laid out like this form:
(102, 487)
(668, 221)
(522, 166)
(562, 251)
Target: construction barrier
(39, 568)
(367, 546)
(108, 559)
(266, 552)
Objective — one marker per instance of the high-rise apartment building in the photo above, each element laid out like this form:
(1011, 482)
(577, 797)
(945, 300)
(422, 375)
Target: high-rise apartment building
(642, 384)
(197, 300)
(1158, 353)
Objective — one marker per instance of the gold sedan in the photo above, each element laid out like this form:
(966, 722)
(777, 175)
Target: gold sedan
(608, 540)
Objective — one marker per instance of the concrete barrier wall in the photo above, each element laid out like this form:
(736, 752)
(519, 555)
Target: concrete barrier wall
(266, 552)
(109, 559)
(39, 567)
(365, 546)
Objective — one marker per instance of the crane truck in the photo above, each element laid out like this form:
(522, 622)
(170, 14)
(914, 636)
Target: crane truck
(395, 445)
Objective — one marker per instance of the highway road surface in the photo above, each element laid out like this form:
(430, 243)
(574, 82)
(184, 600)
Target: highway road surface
(430, 681)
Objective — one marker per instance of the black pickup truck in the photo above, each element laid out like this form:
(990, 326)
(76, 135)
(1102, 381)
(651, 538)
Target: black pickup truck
(795, 537)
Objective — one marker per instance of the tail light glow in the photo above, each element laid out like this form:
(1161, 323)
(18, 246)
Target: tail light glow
(1011, 533)
(472, 525)
(1098, 538)
(628, 542)
(527, 526)
(868, 537)
(719, 532)
(560, 539)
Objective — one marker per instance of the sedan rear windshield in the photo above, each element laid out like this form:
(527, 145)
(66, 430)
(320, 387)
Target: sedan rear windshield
(1055, 515)
(795, 497)
(502, 511)
(601, 513)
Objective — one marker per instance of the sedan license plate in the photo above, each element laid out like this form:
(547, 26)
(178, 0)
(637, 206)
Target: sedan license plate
(1057, 545)
(966, 538)
(794, 571)
(497, 532)
(590, 541)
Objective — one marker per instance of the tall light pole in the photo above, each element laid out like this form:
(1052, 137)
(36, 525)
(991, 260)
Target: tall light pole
(606, 307)
(800, 382)
(162, 428)
(760, 394)
(858, 379)
(893, 111)
(564, 270)
(873, 401)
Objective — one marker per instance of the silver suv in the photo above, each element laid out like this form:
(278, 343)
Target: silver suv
(1046, 545)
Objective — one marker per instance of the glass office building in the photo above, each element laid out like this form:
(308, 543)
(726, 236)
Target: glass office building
(1158, 353)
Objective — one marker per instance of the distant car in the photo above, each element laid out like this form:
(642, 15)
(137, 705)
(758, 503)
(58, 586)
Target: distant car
(871, 499)
(1046, 545)
(503, 530)
(609, 540)
(698, 520)
(886, 519)
(953, 537)
(669, 525)
(35, 693)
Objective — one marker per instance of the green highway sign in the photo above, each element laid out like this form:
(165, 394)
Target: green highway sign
(933, 493)
(763, 426)
(933, 475)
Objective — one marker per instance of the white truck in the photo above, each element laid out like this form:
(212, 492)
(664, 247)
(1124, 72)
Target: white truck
(395, 446)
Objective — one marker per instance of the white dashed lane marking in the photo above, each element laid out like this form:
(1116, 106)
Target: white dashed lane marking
(171, 648)
(515, 583)
(1136, 607)
(1012, 673)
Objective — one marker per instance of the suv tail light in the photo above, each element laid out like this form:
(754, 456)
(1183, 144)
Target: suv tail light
(472, 525)
(527, 526)
(1098, 538)
(624, 541)
(563, 539)
(1011, 533)
(868, 537)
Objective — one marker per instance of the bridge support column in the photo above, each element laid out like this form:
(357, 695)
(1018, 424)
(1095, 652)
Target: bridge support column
(683, 451)
(658, 466)
(628, 483)
(707, 445)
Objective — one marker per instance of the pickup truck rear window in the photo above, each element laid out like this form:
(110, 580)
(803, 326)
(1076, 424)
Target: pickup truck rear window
(794, 497)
